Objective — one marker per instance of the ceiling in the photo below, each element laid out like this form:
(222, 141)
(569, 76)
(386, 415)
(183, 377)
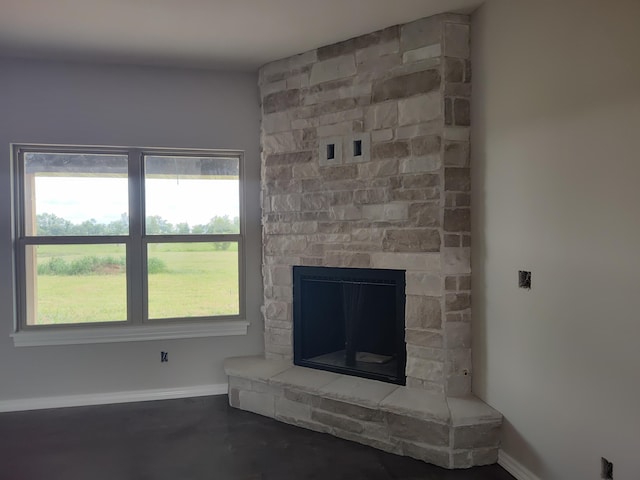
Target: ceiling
(215, 34)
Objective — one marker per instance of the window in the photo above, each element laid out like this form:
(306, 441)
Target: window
(151, 240)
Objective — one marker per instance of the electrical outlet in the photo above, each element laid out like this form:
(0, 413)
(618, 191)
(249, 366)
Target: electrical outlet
(607, 469)
(524, 279)
(164, 357)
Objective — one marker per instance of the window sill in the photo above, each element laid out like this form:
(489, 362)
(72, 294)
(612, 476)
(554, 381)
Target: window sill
(77, 336)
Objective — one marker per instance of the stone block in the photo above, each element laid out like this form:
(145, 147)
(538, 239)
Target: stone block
(287, 245)
(426, 163)
(279, 143)
(475, 457)
(372, 69)
(361, 391)
(347, 259)
(404, 86)
(339, 172)
(337, 421)
(453, 70)
(457, 220)
(281, 101)
(314, 201)
(422, 312)
(456, 40)
(477, 436)
(399, 149)
(426, 453)
(420, 33)
(382, 168)
(328, 119)
(285, 203)
(456, 154)
(423, 53)
(459, 362)
(457, 179)
(278, 275)
(457, 260)
(457, 301)
(407, 261)
(374, 52)
(421, 283)
(411, 240)
(260, 403)
(421, 180)
(254, 368)
(370, 196)
(432, 127)
(304, 378)
(382, 115)
(419, 430)
(387, 212)
(431, 370)
(333, 69)
(462, 112)
(288, 158)
(425, 145)
(347, 212)
(287, 65)
(382, 135)
(457, 134)
(417, 403)
(470, 410)
(419, 109)
(364, 41)
(239, 383)
(458, 385)
(458, 335)
(355, 412)
(277, 311)
(424, 338)
(424, 215)
(272, 87)
(276, 122)
(285, 408)
(426, 353)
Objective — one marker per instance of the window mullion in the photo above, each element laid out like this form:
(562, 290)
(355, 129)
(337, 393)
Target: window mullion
(135, 257)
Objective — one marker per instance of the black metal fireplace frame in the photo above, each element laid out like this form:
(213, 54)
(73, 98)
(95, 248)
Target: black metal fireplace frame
(389, 277)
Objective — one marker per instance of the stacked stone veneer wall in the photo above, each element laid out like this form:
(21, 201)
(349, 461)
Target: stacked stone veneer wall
(404, 204)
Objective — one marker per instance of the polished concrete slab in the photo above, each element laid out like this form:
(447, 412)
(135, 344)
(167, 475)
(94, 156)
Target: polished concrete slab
(192, 439)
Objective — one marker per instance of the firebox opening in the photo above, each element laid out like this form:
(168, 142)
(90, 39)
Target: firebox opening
(351, 321)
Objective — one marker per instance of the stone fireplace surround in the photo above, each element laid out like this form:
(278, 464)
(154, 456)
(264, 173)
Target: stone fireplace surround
(404, 93)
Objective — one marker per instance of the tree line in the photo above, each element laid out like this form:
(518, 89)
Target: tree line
(49, 224)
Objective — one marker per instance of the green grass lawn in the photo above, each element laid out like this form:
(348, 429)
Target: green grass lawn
(198, 281)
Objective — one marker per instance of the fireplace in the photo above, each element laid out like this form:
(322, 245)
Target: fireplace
(351, 321)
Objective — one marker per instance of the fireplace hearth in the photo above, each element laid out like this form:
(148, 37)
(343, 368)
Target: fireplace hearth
(351, 321)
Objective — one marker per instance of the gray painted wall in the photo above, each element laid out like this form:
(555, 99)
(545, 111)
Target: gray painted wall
(112, 105)
(555, 177)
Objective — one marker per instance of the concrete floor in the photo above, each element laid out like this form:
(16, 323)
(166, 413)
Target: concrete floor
(192, 439)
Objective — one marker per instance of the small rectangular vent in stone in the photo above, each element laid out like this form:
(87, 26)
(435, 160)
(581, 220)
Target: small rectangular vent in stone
(331, 151)
(524, 279)
(357, 148)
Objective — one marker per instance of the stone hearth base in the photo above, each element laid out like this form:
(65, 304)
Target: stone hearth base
(449, 432)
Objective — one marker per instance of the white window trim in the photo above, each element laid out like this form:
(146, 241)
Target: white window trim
(77, 334)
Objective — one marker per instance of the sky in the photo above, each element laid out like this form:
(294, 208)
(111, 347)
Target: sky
(193, 201)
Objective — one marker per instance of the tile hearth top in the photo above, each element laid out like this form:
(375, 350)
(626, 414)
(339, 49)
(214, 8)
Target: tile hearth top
(417, 403)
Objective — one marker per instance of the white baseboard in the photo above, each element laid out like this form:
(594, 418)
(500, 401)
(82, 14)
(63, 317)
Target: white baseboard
(514, 467)
(114, 397)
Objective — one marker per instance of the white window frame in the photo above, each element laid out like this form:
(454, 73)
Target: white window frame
(137, 327)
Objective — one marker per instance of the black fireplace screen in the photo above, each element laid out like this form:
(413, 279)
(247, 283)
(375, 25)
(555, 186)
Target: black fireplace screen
(350, 320)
